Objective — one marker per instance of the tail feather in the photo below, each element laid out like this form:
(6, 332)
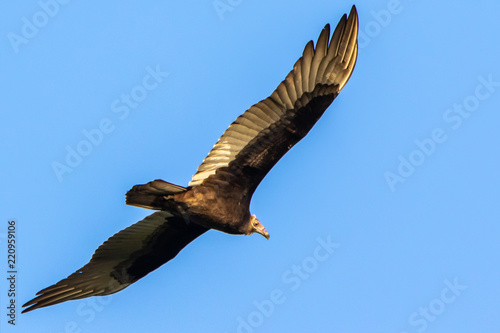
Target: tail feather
(152, 194)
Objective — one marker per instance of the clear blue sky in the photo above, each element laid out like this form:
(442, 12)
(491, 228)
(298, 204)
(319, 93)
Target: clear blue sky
(400, 178)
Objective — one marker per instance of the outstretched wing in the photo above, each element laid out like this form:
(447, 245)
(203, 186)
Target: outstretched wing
(123, 259)
(258, 138)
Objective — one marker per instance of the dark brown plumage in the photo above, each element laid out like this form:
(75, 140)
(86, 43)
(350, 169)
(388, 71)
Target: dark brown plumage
(218, 196)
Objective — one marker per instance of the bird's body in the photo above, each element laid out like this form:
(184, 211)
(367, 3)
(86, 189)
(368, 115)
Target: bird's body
(221, 207)
(215, 208)
(219, 194)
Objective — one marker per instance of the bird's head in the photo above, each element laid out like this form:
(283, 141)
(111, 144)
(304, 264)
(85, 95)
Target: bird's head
(256, 226)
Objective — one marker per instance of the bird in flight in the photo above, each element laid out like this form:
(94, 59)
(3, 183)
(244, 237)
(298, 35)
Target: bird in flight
(218, 196)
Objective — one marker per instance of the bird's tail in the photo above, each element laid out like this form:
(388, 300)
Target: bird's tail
(152, 195)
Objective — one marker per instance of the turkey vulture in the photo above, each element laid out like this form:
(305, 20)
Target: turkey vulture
(218, 196)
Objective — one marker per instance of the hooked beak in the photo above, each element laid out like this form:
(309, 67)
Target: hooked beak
(263, 232)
